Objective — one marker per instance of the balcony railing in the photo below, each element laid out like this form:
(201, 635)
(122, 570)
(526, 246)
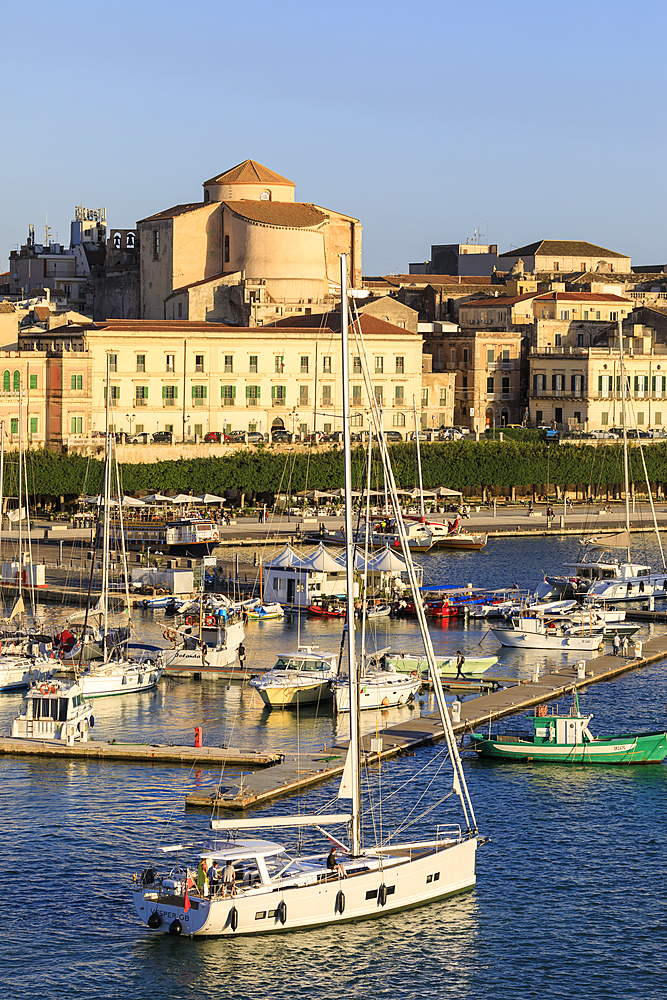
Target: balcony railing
(169, 402)
(279, 402)
(252, 401)
(140, 401)
(228, 401)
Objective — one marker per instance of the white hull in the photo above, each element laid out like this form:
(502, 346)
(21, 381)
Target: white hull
(386, 690)
(17, 672)
(473, 666)
(407, 883)
(632, 589)
(180, 662)
(116, 678)
(537, 640)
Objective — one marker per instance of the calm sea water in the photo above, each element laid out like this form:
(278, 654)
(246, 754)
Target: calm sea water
(571, 889)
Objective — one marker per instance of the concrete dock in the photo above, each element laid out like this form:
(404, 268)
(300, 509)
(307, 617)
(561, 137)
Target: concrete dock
(137, 753)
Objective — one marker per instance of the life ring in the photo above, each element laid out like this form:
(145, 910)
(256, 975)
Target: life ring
(215, 536)
(189, 620)
(209, 620)
(44, 689)
(542, 710)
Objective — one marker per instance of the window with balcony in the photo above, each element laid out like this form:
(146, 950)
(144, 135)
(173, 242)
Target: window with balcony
(604, 385)
(75, 425)
(557, 383)
(278, 395)
(400, 366)
(658, 385)
(356, 365)
(398, 420)
(379, 365)
(303, 395)
(443, 397)
(506, 356)
(198, 395)
(199, 363)
(76, 382)
(425, 396)
(465, 355)
(505, 385)
(539, 384)
(141, 395)
(356, 395)
(114, 398)
(399, 395)
(489, 384)
(580, 340)
(464, 382)
(303, 367)
(170, 362)
(577, 385)
(558, 340)
(252, 395)
(169, 395)
(228, 395)
(141, 362)
(252, 363)
(279, 363)
(641, 385)
(490, 355)
(326, 364)
(113, 362)
(326, 395)
(377, 392)
(357, 420)
(228, 361)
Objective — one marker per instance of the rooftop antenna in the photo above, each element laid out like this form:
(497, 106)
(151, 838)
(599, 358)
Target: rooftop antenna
(47, 231)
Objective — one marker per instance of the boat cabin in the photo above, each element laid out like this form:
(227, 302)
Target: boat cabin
(565, 730)
(54, 710)
(306, 660)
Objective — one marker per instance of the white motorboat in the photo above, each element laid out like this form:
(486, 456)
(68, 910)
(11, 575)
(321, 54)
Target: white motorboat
(17, 672)
(265, 612)
(301, 678)
(277, 890)
(377, 689)
(54, 710)
(102, 678)
(535, 631)
(190, 655)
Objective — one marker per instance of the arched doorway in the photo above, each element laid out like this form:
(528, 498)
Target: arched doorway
(278, 424)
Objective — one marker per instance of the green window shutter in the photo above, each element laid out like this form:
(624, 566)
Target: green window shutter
(273, 392)
(33, 423)
(6, 382)
(17, 381)
(233, 392)
(205, 388)
(164, 392)
(72, 382)
(175, 392)
(33, 381)
(193, 391)
(247, 392)
(636, 383)
(653, 381)
(257, 392)
(599, 383)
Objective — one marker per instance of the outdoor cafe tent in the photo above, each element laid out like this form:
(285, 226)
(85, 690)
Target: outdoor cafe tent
(209, 498)
(156, 498)
(442, 491)
(184, 498)
(98, 501)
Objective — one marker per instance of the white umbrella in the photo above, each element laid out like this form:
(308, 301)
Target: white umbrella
(209, 498)
(184, 498)
(132, 502)
(156, 498)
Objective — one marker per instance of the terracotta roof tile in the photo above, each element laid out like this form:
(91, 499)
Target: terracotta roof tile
(561, 248)
(170, 213)
(286, 214)
(331, 321)
(249, 172)
(583, 297)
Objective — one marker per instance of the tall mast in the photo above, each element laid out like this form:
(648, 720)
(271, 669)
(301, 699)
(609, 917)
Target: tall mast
(106, 499)
(626, 468)
(419, 464)
(349, 572)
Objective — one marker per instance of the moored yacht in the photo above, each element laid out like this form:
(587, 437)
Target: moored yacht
(300, 678)
(54, 710)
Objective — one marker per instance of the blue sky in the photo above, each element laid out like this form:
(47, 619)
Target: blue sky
(529, 120)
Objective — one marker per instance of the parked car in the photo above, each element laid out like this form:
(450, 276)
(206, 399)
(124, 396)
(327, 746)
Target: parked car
(236, 437)
(142, 438)
(423, 436)
(450, 434)
(162, 437)
(213, 437)
(393, 436)
(314, 438)
(549, 431)
(281, 436)
(633, 433)
(254, 437)
(600, 435)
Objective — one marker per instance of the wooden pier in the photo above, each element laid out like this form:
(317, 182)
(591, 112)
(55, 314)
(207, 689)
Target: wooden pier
(297, 772)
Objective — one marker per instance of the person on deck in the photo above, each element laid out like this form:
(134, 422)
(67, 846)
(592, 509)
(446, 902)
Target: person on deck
(228, 880)
(460, 660)
(616, 644)
(333, 865)
(202, 878)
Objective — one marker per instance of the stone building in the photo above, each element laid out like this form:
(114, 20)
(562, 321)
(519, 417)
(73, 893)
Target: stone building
(245, 255)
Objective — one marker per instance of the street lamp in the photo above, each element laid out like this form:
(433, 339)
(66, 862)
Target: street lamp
(130, 417)
(294, 417)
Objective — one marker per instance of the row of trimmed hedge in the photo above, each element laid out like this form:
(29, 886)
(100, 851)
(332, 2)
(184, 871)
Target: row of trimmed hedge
(465, 465)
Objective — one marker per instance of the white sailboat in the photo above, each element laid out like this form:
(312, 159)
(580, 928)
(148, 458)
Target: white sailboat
(275, 890)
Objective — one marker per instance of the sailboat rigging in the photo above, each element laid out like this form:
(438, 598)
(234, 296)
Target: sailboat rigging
(273, 890)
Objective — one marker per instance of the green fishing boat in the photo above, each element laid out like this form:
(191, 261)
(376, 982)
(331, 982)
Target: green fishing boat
(566, 739)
